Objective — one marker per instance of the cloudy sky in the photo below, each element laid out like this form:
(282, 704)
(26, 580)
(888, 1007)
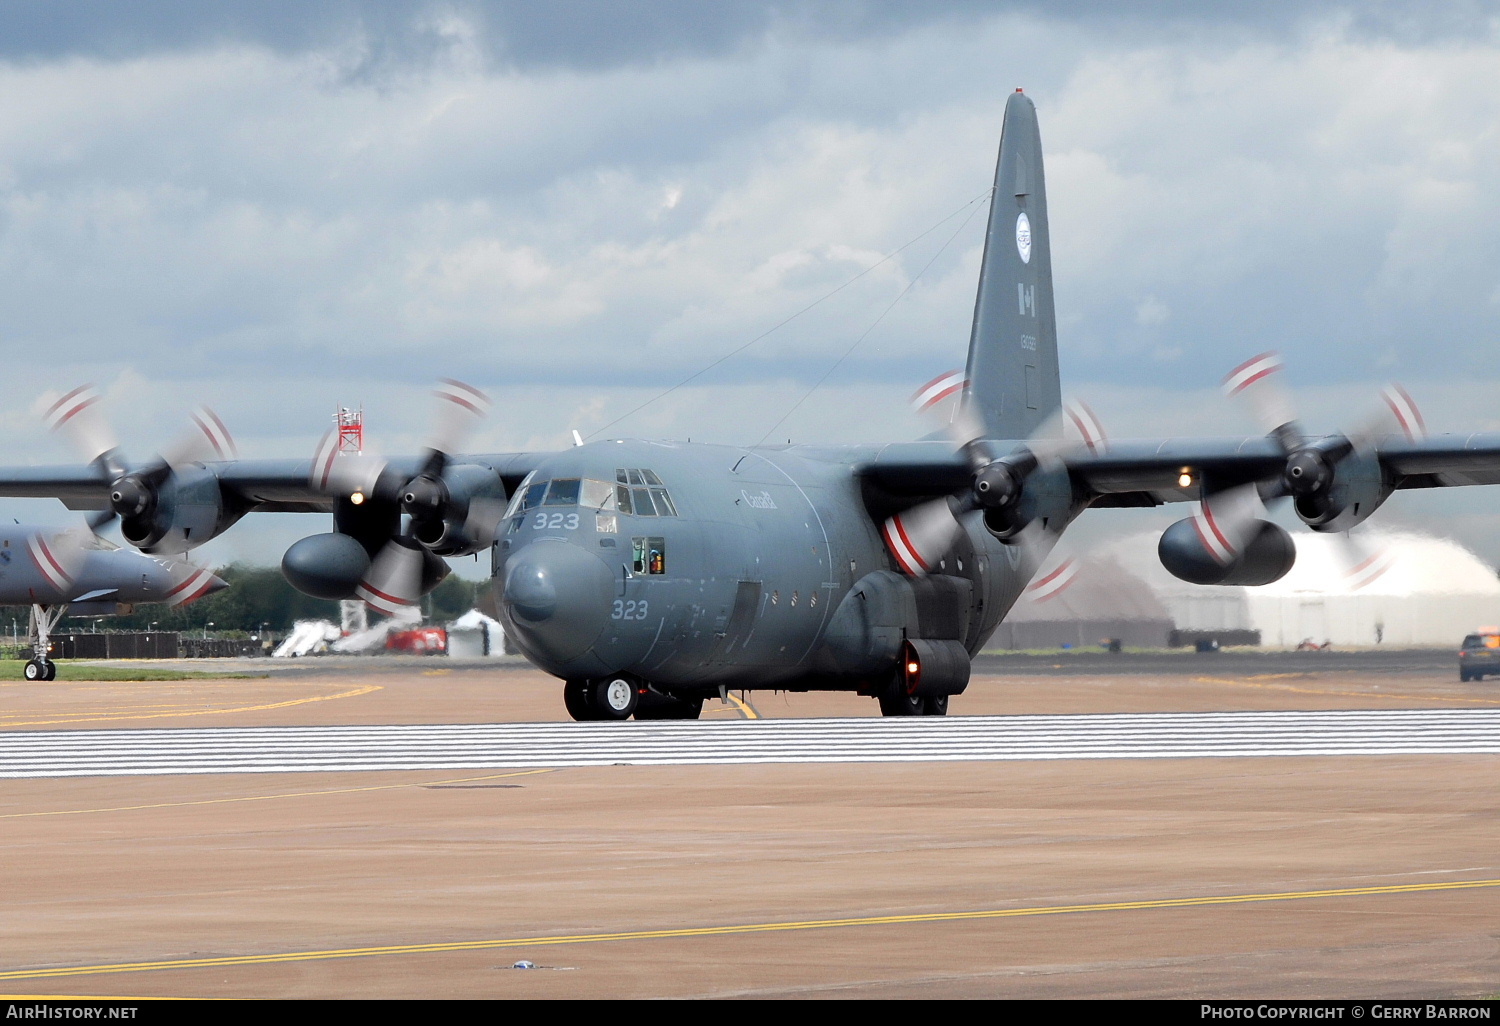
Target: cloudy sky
(277, 208)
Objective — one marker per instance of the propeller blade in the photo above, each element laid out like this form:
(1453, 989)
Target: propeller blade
(919, 537)
(77, 414)
(59, 555)
(1225, 521)
(343, 473)
(1258, 383)
(190, 583)
(1050, 585)
(1364, 562)
(1398, 415)
(394, 580)
(459, 408)
(207, 439)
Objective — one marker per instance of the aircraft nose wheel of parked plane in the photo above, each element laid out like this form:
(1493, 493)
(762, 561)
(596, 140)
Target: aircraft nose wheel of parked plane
(41, 669)
(608, 698)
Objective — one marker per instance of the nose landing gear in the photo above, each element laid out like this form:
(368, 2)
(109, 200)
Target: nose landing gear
(609, 698)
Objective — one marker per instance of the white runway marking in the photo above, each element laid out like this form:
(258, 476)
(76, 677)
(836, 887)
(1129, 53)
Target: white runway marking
(79, 753)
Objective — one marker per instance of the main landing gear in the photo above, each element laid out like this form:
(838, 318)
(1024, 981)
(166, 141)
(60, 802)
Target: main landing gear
(39, 630)
(620, 697)
(896, 702)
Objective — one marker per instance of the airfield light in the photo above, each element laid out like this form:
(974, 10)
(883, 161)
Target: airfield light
(357, 498)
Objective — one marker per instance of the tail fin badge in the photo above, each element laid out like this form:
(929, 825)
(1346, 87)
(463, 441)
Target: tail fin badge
(1023, 237)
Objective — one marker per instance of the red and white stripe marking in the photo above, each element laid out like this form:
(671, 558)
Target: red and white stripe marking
(1252, 370)
(1213, 536)
(465, 396)
(322, 461)
(1083, 421)
(1054, 584)
(70, 406)
(193, 587)
(380, 601)
(938, 389)
(1369, 569)
(47, 554)
(215, 433)
(1404, 409)
(902, 550)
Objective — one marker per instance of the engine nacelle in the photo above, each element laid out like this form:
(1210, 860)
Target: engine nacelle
(326, 566)
(933, 669)
(1339, 493)
(1268, 556)
(1041, 493)
(457, 514)
(181, 512)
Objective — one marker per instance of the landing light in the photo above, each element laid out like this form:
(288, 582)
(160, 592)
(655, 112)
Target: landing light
(357, 498)
(1185, 479)
(913, 667)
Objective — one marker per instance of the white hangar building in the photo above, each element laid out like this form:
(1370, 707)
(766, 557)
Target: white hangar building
(1413, 590)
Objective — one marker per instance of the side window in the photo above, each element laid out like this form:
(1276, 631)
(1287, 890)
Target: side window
(648, 555)
(622, 498)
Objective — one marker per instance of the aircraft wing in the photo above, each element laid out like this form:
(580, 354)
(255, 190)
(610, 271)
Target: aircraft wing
(1147, 472)
(248, 485)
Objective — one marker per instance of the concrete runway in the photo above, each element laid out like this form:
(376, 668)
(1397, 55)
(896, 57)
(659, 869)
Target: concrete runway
(1353, 876)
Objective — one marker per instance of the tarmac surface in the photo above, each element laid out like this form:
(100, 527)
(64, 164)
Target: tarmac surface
(1349, 876)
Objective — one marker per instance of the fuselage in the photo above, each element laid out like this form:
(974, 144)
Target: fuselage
(694, 566)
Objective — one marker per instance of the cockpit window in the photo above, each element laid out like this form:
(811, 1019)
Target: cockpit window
(664, 507)
(597, 494)
(562, 492)
(647, 496)
(518, 501)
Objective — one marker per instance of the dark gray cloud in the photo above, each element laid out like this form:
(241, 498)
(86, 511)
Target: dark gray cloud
(593, 34)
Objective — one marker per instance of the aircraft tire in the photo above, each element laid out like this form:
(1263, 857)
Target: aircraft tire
(936, 706)
(576, 700)
(896, 702)
(35, 670)
(613, 698)
(51, 670)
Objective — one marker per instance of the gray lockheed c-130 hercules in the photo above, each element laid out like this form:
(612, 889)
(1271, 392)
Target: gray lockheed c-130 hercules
(648, 575)
(75, 572)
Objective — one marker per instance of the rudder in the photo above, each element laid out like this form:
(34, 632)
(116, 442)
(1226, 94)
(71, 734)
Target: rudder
(1013, 379)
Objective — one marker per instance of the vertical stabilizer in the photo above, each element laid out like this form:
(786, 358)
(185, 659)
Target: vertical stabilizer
(1014, 383)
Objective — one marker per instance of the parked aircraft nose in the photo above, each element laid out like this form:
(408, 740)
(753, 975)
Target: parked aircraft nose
(559, 597)
(182, 583)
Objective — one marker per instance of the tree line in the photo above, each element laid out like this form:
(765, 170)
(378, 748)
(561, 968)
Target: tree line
(260, 596)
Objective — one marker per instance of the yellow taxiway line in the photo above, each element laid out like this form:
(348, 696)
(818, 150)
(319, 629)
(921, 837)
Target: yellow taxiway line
(271, 797)
(748, 928)
(354, 693)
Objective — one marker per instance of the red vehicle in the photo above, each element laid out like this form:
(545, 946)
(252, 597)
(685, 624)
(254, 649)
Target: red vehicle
(419, 641)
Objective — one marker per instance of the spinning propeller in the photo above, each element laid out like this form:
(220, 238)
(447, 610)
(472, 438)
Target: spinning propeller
(135, 493)
(1228, 520)
(919, 537)
(439, 500)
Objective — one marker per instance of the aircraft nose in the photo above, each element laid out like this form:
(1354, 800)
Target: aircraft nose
(559, 597)
(185, 583)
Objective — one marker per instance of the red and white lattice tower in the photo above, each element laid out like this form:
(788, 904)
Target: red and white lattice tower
(351, 429)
